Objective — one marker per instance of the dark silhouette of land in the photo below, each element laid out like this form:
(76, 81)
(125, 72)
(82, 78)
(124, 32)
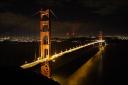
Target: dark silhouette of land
(16, 75)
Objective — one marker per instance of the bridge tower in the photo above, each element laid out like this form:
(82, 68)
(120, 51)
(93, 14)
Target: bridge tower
(100, 37)
(45, 42)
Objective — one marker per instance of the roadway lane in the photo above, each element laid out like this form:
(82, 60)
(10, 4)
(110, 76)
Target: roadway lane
(28, 65)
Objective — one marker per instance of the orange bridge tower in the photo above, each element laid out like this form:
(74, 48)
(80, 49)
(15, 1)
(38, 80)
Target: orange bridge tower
(100, 37)
(45, 42)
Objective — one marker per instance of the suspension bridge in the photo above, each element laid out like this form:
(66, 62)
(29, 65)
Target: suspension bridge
(53, 57)
(45, 56)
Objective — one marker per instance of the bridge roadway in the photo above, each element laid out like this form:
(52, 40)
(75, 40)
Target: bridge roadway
(53, 57)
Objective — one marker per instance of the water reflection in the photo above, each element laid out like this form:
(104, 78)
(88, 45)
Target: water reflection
(82, 75)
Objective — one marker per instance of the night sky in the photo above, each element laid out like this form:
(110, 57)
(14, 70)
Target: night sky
(85, 17)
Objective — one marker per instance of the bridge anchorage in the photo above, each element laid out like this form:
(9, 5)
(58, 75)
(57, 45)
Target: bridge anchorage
(45, 58)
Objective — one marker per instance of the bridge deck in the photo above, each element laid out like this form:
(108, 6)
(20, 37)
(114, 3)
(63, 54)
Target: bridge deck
(28, 65)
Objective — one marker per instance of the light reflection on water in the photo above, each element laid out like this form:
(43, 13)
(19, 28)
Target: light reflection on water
(81, 75)
(59, 78)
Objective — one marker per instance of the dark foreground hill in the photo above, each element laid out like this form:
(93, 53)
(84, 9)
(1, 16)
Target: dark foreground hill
(20, 76)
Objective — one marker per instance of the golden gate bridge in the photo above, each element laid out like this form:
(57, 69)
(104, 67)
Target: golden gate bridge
(45, 56)
(28, 65)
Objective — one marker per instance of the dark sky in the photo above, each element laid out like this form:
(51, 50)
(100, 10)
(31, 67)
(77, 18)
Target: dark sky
(85, 17)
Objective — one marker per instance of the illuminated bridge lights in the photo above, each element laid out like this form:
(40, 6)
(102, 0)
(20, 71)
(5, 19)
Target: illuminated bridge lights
(28, 65)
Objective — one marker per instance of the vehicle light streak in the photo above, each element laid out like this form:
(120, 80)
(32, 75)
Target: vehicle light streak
(28, 65)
